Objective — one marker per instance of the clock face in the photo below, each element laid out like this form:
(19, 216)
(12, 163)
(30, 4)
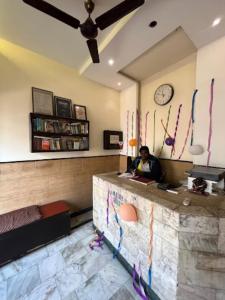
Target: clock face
(163, 94)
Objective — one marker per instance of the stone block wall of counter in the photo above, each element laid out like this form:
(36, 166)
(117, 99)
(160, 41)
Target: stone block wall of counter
(188, 252)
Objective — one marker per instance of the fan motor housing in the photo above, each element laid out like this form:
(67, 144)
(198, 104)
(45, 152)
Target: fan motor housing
(89, 29)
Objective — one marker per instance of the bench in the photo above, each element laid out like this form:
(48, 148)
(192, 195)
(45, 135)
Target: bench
(29, 228)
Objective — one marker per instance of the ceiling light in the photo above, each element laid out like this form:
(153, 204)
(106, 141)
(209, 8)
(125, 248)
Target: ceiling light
(216, 22)
(119, 83)
(111, 62)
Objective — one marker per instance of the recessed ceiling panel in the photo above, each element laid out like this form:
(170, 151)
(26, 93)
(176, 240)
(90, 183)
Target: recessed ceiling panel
(168, 51)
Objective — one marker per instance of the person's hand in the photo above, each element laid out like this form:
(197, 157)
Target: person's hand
(134, 172)
(139, 173)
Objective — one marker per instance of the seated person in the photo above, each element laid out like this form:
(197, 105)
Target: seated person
(146, 165)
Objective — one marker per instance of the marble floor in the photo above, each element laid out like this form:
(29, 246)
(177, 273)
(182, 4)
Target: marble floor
(67, 270)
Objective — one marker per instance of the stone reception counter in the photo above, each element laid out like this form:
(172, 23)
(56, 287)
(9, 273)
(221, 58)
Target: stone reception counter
(187, 248)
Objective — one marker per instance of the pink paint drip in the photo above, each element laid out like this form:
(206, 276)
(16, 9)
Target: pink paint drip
(187, 135)
(146, 126)
(175, 132)
(154, 131)
(128, 113)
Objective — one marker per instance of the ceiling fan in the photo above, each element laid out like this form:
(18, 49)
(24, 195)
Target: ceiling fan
(88, 29)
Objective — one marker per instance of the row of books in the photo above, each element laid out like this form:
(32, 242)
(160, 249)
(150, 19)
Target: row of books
(53, 144)
(59, 126)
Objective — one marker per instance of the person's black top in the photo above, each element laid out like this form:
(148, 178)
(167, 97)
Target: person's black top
(154, 167)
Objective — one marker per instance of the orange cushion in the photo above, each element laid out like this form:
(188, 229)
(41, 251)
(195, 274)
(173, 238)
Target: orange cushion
(53, 208)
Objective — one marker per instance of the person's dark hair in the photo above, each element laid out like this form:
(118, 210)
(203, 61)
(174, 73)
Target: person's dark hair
(144, 148)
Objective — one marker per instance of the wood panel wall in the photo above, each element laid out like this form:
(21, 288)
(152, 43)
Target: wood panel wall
(39, 182)
(174, 169)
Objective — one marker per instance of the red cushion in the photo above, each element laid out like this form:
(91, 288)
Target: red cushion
(53, 208)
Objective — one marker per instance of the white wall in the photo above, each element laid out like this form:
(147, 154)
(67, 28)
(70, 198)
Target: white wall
(182, 77)
(211, 64)
(129, 103)
(20, 70)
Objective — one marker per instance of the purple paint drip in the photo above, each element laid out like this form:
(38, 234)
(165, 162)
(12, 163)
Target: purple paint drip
(138, 288)
(107, 209)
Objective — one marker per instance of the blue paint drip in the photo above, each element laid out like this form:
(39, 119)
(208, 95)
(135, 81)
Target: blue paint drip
(150, 277)
(121, 237)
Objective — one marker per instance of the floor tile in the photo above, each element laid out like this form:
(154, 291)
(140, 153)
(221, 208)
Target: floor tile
(71, 296)
(73, 252)
(67, 269)
(9, 270)
(45, 291)
(51, 265)
(68, 280)
(13, 268)
(122, 294)
(58, 245)
(23, 283)
(32, 258)
(82, 232)
(94, 261)
(115, 275)
(3, 290)
(95, 288)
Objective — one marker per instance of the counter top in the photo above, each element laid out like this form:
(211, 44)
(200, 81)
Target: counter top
(204, 206)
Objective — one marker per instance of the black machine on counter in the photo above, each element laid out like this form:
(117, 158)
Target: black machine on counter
(202, 179)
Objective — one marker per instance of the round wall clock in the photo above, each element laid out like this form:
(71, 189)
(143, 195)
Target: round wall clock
(163, 94)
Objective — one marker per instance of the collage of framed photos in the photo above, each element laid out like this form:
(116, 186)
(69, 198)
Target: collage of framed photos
(44, 102)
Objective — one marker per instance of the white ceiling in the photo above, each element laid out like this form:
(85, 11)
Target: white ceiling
(34, 30)
(167, 52)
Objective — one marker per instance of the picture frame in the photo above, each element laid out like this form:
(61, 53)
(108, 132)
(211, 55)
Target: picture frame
(80, 112)
(63, 107)
(42, 101)
(112, 139)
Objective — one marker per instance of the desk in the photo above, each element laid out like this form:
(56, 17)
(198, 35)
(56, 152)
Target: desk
(188, 248)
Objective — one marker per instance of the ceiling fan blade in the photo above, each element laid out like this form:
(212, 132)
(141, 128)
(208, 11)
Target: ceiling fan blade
(54, 12)
(117, 12)
(93, 48)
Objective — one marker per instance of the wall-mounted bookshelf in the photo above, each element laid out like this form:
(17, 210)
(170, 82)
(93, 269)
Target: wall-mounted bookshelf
(58, 134)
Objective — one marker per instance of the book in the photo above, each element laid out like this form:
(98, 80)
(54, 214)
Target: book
(45, 145)
(49, 126)
(76, 144)
(66, 128)
(142, 180)
(56, 126)
(37, 143)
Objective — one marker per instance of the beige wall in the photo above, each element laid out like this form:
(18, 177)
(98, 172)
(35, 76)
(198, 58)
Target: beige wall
(129, 104)
(182, 77)
(20, 70)
(210, 64)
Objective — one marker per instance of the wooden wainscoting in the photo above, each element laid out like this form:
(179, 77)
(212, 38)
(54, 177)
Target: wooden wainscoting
(174, 169)
(39, 182)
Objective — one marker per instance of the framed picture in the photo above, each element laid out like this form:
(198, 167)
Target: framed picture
(63, 107)
(80, 112)
(112, 139)
(42, 101)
